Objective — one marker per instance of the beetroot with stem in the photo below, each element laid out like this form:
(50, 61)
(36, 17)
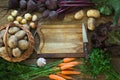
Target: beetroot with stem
(31, 6)
(45, 14)
(53, 15)
(23, 4)
(51, 4)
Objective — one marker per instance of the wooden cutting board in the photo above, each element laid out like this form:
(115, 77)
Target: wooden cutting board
(60, 40)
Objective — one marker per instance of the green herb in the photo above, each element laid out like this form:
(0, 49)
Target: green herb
(114, 37)
(99, 62)
(107, 7)
(20, 71)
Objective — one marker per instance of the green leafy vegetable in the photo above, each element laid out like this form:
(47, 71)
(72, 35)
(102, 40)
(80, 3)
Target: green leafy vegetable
(107, 7)
(99, 62)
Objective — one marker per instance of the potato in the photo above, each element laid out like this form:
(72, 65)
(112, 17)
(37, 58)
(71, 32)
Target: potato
(26, 26)
(91, 23)
(1, 42)
(12, 41)
(23, 44)
(93, 13)
(3, 51)
(2, 33)
(16, 52)
(13, 30)
(20, 34)
(79, 15)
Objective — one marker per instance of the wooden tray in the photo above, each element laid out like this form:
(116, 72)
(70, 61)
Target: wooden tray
(60, 41)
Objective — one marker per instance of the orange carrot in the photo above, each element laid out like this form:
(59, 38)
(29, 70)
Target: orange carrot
(70, 69)
(66, 67)
(69, 72)
(70, 63)
(65, 60)
(64, 76)
(56, 77)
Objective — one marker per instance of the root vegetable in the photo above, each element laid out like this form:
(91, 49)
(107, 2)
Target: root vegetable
(1, 42)
(14, 13)
(34, 17)
(93, 13)
(26, 26)
(28, 16)
(13, 30)
(3, 51)
(20, 34)
(19, 18)
(79, 15)
(12, 41)
(24, 21)
(23, 44)
(16, 52)
(2, 33)
(16, 22)
(32, 25)
(91, 23)
(10, 18)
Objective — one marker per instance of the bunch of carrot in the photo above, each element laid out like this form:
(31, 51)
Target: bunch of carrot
(58, 70)
(65, 69)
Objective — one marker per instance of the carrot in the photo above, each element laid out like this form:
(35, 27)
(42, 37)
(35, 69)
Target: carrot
(56, 77)
(69, 72)
(65, 60)
(64, 76)
(66, 67)
(70, 63)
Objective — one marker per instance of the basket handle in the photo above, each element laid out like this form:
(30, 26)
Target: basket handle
(6, 39)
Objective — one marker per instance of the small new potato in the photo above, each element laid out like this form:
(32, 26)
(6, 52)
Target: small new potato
(1, 42)
(26, 26)
(23, 44)
(24, 21)
(16, 52)
(12, 41)
(19, 18)
(28, 16)
(20, 34)
(32, 25)
(10, 18)
(3, 51)
(16, 22)
(93, 13)
(79, 15)
(91, 24)
(14, 13)
(13, 30)
(34, 17)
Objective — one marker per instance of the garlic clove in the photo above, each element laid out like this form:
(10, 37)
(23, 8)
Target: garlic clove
(41, 62)
(14, 13)
(28, 16)
(34, 17)
(10, 18)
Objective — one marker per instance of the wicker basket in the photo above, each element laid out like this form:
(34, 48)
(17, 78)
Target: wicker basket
(26, 53)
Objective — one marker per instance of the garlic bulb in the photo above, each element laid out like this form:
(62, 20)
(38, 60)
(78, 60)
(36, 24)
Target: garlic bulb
(10, 18)
(34, 17)
(41, 62)
(14, 13)
(28, 16)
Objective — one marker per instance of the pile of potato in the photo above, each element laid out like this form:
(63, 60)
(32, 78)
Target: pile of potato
(27, 19)
(17, 41)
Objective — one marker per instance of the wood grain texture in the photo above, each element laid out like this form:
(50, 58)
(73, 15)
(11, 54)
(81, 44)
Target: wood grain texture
(60, 39)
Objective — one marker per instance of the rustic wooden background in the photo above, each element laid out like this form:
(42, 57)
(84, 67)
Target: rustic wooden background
(32, 59)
